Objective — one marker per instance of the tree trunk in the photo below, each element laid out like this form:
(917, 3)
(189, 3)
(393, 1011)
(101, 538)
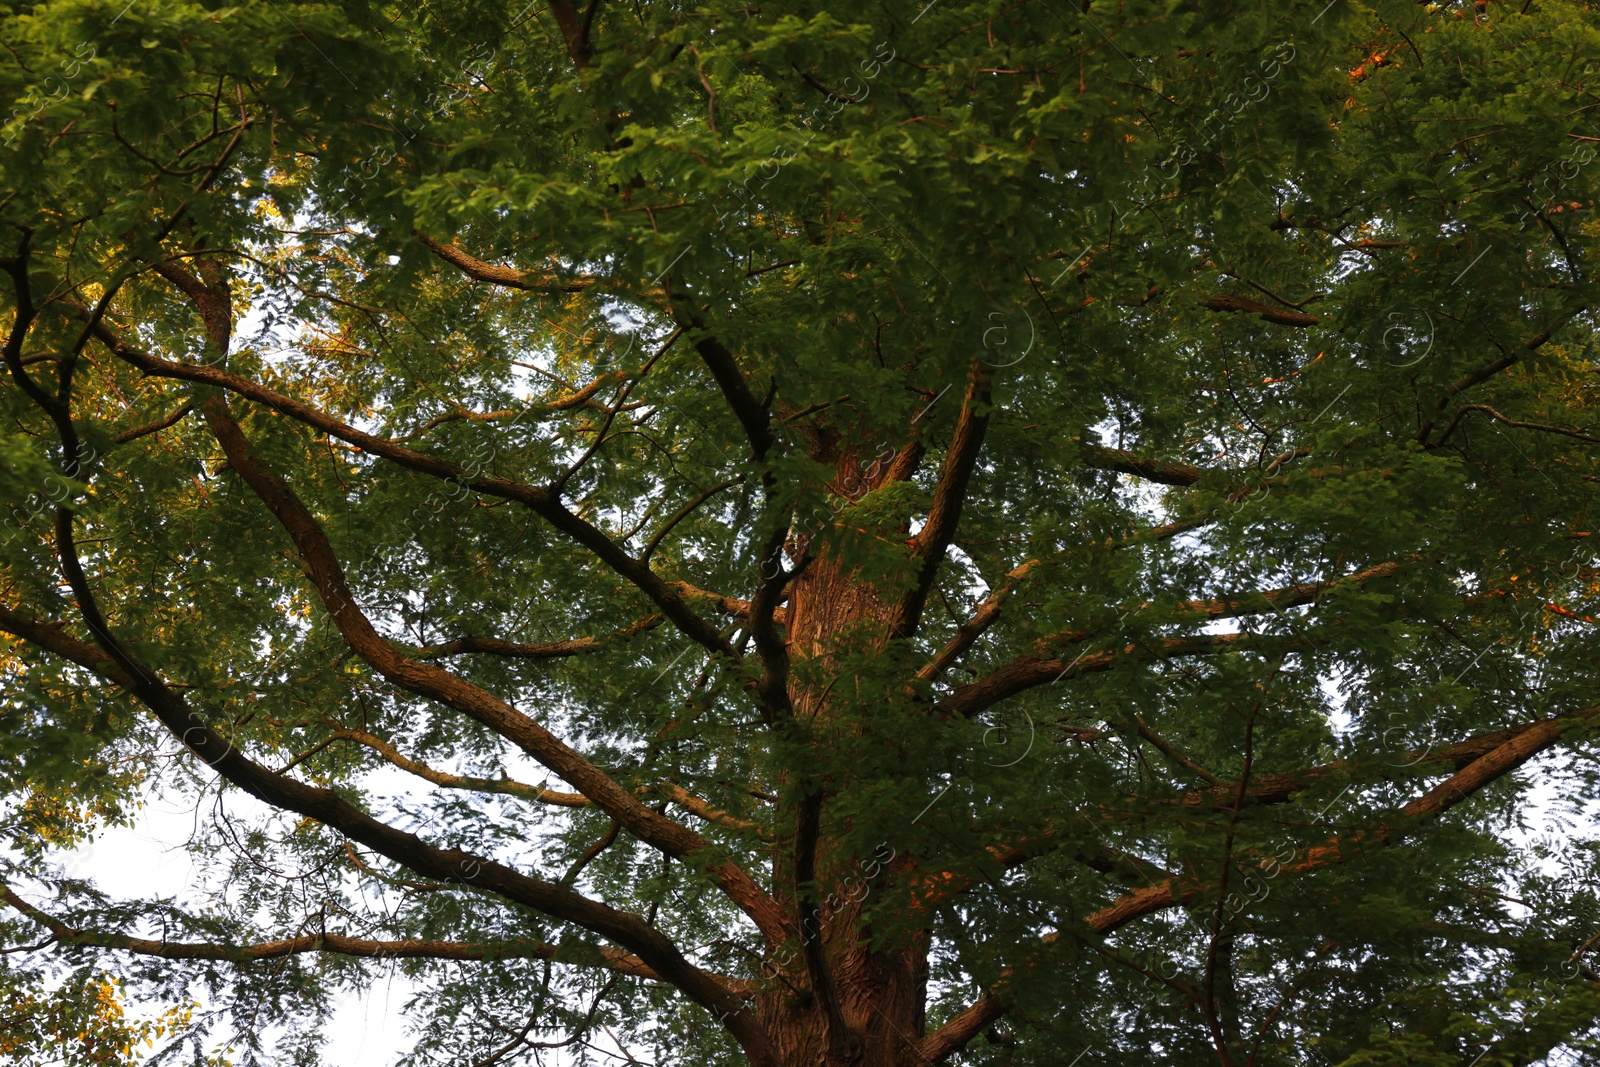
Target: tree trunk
(881, 994)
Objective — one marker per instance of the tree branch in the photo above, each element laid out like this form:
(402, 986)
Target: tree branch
(537, 498)
(573, 29)
(577, 646)
(507, 277)
(931, 543)
(1029, 672)
(1043, 666)
(335, 944)
(1265, 311)
(430, 681)
(753, 415)
(1513, 751)
(409, 850)
(1115, 459)
(987, 614)
(157, 426)
(454, 781)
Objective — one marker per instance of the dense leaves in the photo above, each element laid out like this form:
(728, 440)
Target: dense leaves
(829, 533)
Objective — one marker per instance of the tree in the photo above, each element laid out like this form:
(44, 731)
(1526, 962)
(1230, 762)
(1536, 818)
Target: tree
(826, 534)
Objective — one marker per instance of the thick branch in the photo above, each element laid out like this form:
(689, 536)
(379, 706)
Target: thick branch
(336, 944)
(1509, 754)
(508, 277)
(539, 499)
(1155, 470)
(574, 30)
(447, 865)
(432, 682)
(949, 495)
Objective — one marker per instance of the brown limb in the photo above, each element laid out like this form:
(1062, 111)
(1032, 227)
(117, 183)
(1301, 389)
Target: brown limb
(335, 944)
(932, 542)
(1032, 671)
(506, 277)
(676, 793)
(448, 865)
(1509, 754)
(537, 498)
(1115, 459)
(695, 805)
(1043, 666)
(726, 604)
(1264, 311)
(503, 786)
(753, 415)
(427, 680)
(574, 30)
(1169, 750)
(968, 632)
(155, 427)
(578, 646)
(1517, 424)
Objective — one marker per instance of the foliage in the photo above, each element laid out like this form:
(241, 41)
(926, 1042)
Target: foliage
(635, 516)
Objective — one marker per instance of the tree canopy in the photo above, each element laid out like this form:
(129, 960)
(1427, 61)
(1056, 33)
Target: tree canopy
(980, 531)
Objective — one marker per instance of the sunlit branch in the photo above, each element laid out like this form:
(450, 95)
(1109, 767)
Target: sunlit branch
(430, 681)
(334, 944)
(1511, 752)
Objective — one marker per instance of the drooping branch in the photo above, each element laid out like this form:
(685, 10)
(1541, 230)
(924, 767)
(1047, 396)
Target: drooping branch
(682, 513)
(1172, 752)
(334, 944)
(425, 679)
(578, 396)
(808, 825)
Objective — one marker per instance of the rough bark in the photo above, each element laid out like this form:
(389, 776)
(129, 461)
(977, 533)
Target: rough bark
(878, 995)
